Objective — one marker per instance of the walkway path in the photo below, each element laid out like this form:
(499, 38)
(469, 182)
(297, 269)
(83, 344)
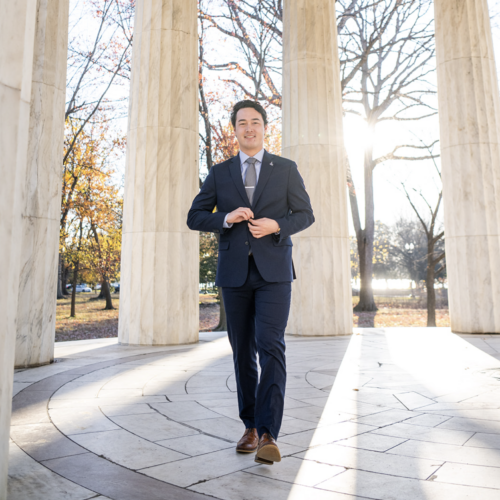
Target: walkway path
(403, 414)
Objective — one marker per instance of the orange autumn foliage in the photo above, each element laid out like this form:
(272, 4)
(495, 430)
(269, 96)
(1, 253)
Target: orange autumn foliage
(91, 208)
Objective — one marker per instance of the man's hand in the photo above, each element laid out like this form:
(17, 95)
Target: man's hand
(262, 227)
(239, 215)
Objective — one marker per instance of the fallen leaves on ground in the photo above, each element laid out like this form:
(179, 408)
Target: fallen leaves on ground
(389, 317)
(209, 317)
(400, 312)
(93, 322)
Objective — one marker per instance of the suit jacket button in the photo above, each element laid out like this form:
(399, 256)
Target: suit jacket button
(246, 242)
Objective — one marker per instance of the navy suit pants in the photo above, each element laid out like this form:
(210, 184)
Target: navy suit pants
(257, 314)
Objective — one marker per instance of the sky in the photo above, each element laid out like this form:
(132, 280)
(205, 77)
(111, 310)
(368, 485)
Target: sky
(418, 176)
(390, 200)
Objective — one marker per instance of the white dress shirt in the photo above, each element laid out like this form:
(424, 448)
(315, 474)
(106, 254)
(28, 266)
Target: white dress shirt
(244, 167)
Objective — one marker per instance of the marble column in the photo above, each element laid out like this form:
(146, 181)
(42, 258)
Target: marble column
(36, 314)
(313, 138)
(469, 116)
(159, 270)
(17, 36)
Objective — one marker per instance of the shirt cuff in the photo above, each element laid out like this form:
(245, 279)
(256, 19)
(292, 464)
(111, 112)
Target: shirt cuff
(226, 224)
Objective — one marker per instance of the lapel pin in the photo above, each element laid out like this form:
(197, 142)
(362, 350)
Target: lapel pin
(272, 164)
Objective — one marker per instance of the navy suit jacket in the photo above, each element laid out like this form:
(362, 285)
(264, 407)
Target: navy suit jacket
(280, 195)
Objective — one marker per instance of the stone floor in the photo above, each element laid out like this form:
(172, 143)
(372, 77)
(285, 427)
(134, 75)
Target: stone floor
(403, 414)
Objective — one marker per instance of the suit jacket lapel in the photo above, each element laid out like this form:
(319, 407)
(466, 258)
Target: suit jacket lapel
(265, 172)
(235, 171)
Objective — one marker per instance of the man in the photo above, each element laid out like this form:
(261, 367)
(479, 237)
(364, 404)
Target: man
(261, 201)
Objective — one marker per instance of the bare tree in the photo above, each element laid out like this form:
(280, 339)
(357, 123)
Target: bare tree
(408, 250)
(434, 256)
(257, 27)
(435, 252)
(205, 136)
(98, 64)
(386, 51)
(392, 84)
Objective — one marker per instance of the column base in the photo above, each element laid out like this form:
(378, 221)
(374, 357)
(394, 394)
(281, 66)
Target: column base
(34, 365)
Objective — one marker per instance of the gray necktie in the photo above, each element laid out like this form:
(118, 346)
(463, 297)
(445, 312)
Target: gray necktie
(250, 178)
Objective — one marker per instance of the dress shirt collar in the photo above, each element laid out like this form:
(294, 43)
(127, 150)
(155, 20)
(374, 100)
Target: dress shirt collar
(259, 156)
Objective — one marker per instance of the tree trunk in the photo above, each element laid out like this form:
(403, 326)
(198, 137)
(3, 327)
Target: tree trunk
(222, 326)
(107, 294)
(429, 283)
(366, 237)
(60, 294)
(64, 277)
(366, 299)
(73, 291)
(101, 295)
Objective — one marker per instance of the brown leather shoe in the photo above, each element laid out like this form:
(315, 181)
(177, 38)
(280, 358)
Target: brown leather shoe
(249, 441)
(268, 451)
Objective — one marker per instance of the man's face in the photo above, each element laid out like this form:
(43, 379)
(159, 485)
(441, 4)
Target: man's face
(250, 130)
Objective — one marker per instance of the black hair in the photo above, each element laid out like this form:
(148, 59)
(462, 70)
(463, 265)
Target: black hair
(248, 104)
